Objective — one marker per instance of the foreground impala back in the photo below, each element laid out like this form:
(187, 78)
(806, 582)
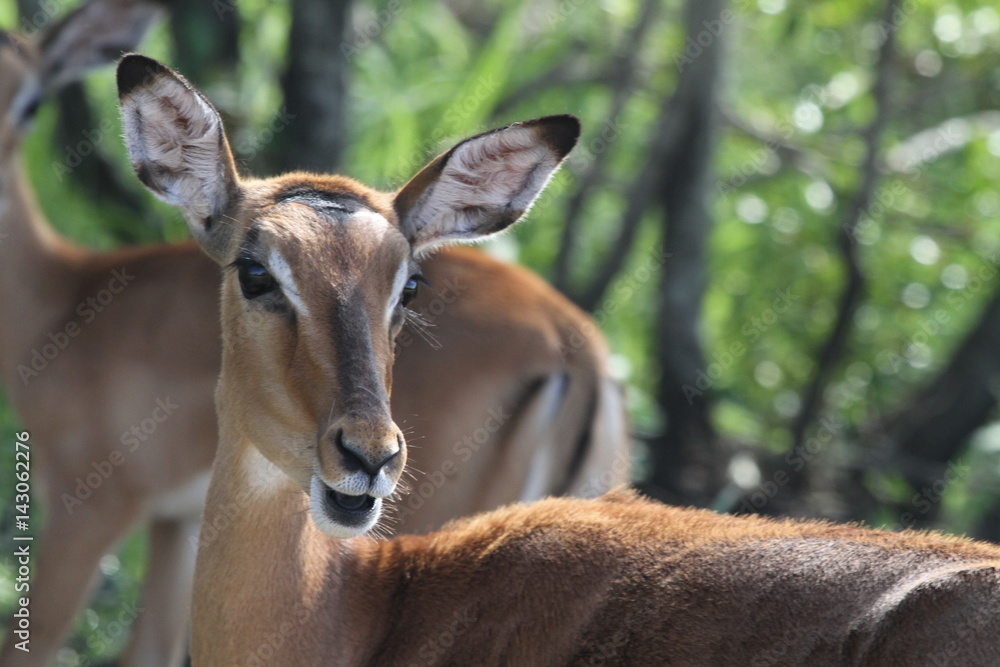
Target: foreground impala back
(308, 452)
(111, 360)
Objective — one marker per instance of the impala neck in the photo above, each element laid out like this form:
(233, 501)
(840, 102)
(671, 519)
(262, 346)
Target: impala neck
(263, 566)
(36, 286)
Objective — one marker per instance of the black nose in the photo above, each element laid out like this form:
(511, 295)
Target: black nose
(356, 458)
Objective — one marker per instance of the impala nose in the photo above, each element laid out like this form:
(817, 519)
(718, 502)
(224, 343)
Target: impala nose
(359, 455)
(362, 456)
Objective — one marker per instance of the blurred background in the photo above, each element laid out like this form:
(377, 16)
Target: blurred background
(784, 215)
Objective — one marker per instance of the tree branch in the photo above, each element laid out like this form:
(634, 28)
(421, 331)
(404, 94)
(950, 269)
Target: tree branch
(833, 349)
(623, 76)
(930, 430)
(563, 74)
(807, 162)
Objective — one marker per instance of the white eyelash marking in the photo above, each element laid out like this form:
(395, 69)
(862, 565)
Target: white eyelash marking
(279, 268)
(402, 275)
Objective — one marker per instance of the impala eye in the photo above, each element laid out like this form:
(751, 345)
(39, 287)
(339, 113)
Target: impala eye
(254, 279)
(411, 287)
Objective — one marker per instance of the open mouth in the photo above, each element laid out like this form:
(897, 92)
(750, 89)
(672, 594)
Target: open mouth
(340, 514)
(341, 503)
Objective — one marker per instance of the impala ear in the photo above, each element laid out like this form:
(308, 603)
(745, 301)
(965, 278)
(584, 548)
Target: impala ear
(178, 148)
(96, 33)
(485, 183)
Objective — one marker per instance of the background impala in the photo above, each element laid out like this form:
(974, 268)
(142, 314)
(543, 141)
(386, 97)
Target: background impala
(123, 426)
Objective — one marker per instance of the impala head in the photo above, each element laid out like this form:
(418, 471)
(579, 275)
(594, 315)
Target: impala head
(317, 274)
(94, 34)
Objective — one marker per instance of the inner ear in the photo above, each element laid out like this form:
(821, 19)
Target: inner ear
(178, 148)
(485, 183)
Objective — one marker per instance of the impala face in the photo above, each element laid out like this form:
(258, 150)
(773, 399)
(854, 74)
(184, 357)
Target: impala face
(318, 271)
(315, 290)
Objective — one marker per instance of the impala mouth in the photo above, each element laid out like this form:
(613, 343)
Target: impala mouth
(340, 514)
(343, 503)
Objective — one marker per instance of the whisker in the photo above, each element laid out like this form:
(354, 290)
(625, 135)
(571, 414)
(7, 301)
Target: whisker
(421, 326)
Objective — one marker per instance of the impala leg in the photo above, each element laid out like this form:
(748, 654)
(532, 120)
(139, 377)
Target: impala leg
(160, 634)
(68, 552)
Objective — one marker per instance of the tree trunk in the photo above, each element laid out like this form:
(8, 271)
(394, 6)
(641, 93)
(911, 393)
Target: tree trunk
(315, 87)
(687, 465)
(934, 426)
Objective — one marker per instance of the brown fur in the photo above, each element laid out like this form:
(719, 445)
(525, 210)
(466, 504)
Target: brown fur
(616, 580)
(619, 580)
(159, 339)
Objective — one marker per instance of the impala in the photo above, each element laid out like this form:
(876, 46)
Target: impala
(308, 452)
(110, 361)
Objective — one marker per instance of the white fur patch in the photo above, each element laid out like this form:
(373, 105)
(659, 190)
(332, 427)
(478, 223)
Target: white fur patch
(282, 272)
(375, 225)
(501, 172)
(358, 483)
(539, 421)
(262, 476)
(402, 275)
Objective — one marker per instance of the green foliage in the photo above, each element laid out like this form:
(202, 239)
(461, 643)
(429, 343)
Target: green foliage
(800, 73)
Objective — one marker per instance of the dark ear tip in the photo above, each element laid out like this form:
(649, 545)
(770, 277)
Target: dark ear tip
(136, 70)
(560, 132)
